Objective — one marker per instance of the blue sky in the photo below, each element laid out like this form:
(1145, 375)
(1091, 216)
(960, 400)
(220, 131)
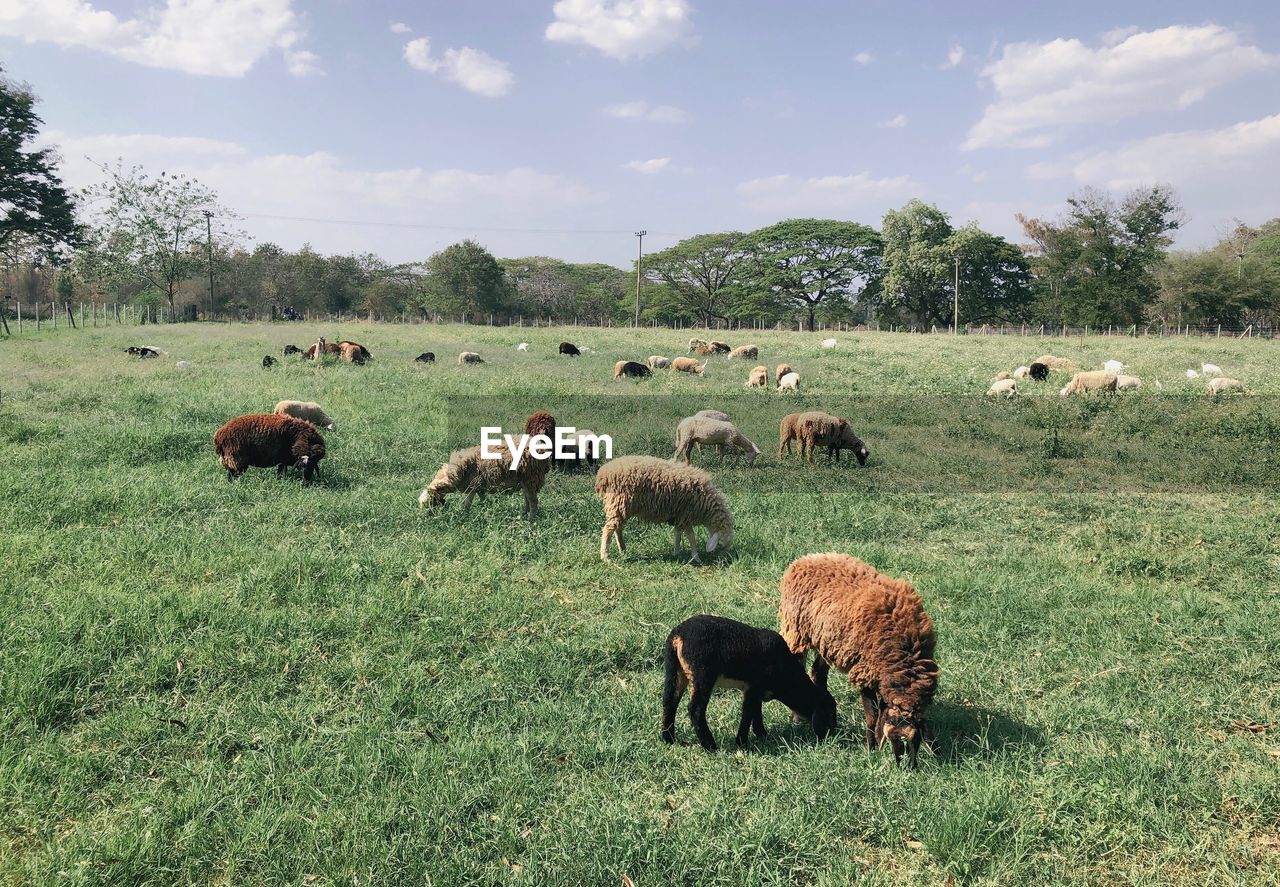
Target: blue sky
(559, 128)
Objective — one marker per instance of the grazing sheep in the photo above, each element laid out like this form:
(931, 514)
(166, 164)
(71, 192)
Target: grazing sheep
(829, 343)
(467, 472)
(719, 347)
(268, 361)
(143, 352)
(695, 344)
(707, 652)
(1126, 383)
(1192, 374)
(469, 357)
(658, 491)
(1039, 371)
(818, 429)
(688, 365)
(1094, 380)
(523, 346)
(758, 378)
(788, 431)
(631, 369)
(321, 347)
(425, 357)
(704, 432)
(1022, 372)
(782, 370)
(875, 628)
(1006, 387)
(1054, 363)
(712, 414)
(658, 362)
(745, 351)
(1222, 384)
(307, 411)
(291, 349)
(1211, 369)
(1002, 375)
(353, 353)
(789, 381)
(570, 349)
(268, 441)
(1115, 366)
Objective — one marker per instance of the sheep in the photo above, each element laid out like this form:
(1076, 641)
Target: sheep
(523, 346)
(307, 411)
(782, 370)
(469, 357)
(688, 365)
(321, 347)
(268, 361)
(658, 362)
(425, 357)
(789, 381)
(875, 628)
(143, 352)
(706, 652)
(1115, 366)
(630, 369)
(1022, 372)
(1192, 374)
(745, 351)
(1094, 380)
(704, 432)
(659, 491)
(354, 353)
(818, 429)
(1222, 384)
(719, 347)
(291, 349)
(466, 471)
(829, 343)
(695, 344)
(712, 414)
(788, 431)
(183, 364)
(268, 440)
(1002, 375)
(704, 350)
(1038, 371)
(570, 349)
(1005, 387)
(758, 378)
(1211, 369)
(1054, 363)
(1126, 383)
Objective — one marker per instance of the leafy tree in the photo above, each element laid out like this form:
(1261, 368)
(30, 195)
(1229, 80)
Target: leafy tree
(808, 261)
(995, 277)
(37, 214)
(466, 277)
(918, 262)
(151, 229)
(704, 274)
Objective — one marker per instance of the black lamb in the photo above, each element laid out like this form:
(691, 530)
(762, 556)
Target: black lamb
(1039, 372)
(570, 349)
(425, 357)
(268, 361)
(291, 349)
(712, 651)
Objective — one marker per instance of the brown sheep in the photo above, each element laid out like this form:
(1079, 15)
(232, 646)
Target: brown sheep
(875, 628)
(354, 352)
(719, 347)
(818, 429)
(688, 365)
(323, 348)
(466, 471)
(745, 351)
(782, 370)
(788, 430)
(268, 440)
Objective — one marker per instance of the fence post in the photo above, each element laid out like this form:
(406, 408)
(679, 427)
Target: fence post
(19, 318)
(82, 315)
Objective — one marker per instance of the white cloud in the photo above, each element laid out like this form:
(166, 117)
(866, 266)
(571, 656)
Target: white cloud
(787, 194)
(648, 167)
(622, 29)
(864, 58)
(1042, 87)
(644, 111)
(469, 68)
(898, 121)
(955, 55)
(400, 28)
(222, 38)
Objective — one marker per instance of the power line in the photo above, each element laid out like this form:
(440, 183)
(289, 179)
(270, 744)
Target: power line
(426, 227)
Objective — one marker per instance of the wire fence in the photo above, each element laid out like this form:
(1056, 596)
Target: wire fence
(17, 318)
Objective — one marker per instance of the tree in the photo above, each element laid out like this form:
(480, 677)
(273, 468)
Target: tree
(807, 261)
(918, 261)
(705, 274)
(152, 229)
(995, 277)
(466, 277)
(37, 214)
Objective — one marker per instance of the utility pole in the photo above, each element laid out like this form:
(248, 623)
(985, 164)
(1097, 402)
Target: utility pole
(639, 259)
(955, 308)
(208, 244)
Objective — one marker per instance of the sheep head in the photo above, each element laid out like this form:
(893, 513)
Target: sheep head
(904, 731)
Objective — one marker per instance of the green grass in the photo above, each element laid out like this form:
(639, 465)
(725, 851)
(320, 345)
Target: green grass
(257, 683)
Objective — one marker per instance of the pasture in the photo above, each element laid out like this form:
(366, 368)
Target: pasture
(205, 682)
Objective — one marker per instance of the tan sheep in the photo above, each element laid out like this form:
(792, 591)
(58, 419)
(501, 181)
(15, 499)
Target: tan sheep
(688, 365)
(1002, 375)
(782, 370)
(695, 344)
(818, 429)
(1127, 383)
(758, 378)
(1093, 380)
(469, 357)
(875, 628)
(659, 491)
(1055, 363)
(307, 411)
(466, 471)
(705, 432)
(1222, 384)
(788, 431)
(658, 362)
(713, 414)
(744, 351)
(1003, 387)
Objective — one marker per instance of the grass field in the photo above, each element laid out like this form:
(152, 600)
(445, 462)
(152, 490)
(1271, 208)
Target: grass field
(260, 683)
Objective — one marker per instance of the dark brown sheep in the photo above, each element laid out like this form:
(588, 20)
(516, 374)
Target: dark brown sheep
(268, 440)
(875, 628)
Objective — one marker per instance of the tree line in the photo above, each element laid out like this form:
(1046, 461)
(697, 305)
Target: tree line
(150, 240)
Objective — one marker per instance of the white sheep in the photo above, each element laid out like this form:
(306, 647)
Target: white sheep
(1005, 387)
(658, 362)
(523, 346)
(1211, 369)
(1115, 366)
(789, 382)
(1094, 380)
(1192, 374)
(1127, 383)
(1222, 384)
(659, 491)
(705, 432)
(829, 343)
(1022, 372)
(307, 411)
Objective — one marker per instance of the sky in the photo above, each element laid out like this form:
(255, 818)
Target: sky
(561, 128)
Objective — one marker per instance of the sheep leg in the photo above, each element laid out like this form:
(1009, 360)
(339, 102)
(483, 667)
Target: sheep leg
(757, 719)
(751, 711)
(819, 671)
(871, 708)
(530, 501)
(693, 544)
(674, 685)
(466, 504)
(698, 700)
(675, 552)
